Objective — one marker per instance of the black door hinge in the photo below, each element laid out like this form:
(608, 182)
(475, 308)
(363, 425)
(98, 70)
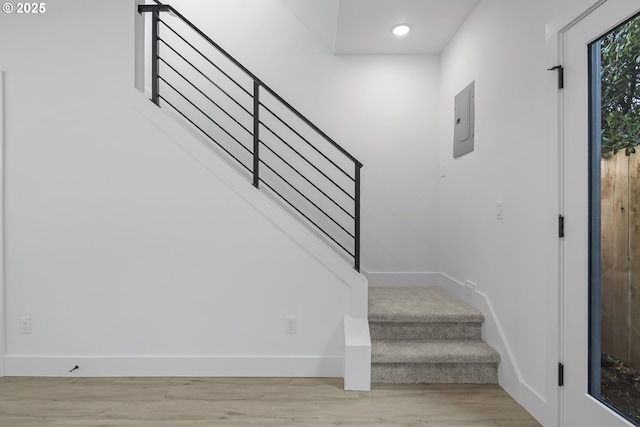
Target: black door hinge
(560, 374)
(560, 69)
(560, 226)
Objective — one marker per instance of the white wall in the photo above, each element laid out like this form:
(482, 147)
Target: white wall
(132, 248)
(382, 109)
(513, 260)
(321, 17)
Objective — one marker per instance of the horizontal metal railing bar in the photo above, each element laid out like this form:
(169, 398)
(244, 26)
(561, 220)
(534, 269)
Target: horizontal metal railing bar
(307, 218)
(307, 179)
(308, 199)
(267, 88)
(311, 125)
(214, 44)
(305, 140)
(205, 58)
(206, 77)
(205, 114)
(307, 160)
(204, 132)
(206, 96)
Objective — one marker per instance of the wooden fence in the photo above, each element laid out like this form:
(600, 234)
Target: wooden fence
(621, 258)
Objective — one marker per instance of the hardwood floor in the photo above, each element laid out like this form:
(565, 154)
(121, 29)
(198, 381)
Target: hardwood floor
(181, 402)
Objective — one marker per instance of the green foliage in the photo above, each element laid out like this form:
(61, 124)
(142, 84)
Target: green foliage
(621, 89)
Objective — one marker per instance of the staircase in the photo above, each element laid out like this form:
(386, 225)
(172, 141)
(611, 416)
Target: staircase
(279, 150)
(425, 335)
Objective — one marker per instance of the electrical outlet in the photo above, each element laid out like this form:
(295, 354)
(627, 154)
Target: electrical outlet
(470, 287)
(25, 325)
(290, 326)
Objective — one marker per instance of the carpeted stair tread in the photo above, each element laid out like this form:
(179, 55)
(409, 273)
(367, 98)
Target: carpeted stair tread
(441, 352)
(425, 330)
(418, 304)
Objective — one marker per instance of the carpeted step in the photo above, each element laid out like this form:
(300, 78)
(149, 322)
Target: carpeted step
(427, 304)
(425, 331)
(415, 361)
(434, 373)
(422, 314)
(414, 351)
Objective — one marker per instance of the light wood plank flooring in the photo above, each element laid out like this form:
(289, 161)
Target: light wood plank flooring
(181, 402)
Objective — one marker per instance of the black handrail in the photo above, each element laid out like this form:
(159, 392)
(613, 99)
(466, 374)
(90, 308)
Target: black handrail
(258, 124)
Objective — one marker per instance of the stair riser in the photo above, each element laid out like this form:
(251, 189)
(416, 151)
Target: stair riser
(425, 331)
(438, 373)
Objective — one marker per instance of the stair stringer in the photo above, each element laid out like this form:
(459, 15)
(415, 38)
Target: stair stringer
(207, 156)
(509, 374)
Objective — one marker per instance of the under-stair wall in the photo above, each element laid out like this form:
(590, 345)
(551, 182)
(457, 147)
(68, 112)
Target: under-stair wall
(133, 249)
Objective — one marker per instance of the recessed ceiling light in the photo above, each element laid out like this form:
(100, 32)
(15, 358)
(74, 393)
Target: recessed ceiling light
(401, 30)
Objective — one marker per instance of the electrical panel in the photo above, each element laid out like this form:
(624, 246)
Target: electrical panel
(463, 128)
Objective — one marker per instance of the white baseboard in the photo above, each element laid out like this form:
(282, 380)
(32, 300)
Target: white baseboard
(509, 375)
(393, 279)
(174, 366)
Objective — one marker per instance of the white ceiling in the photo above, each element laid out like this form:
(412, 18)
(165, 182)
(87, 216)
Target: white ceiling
(364, 26)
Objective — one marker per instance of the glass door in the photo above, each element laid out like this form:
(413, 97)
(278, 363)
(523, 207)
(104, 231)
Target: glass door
(614, 280)
(601, 198)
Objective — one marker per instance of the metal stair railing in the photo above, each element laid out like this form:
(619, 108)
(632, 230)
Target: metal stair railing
(279, 149)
